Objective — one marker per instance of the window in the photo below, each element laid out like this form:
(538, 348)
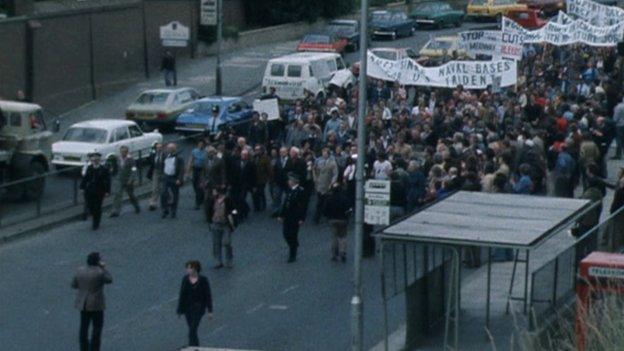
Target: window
(153, 98)
(235, 107)
(86, 135)
(339, 63)
(135, 132)
(184, 97)
(16, 119)
(121, 134)
(294, 71)
(277, 70)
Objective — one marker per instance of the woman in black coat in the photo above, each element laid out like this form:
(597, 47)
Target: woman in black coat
(195, 299)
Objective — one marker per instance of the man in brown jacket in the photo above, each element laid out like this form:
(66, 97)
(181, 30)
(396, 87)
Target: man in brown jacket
(89, 281)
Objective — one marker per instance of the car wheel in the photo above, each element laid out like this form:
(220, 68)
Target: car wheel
(394, 35)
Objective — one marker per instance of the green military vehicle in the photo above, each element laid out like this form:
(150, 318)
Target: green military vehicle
(24, 148)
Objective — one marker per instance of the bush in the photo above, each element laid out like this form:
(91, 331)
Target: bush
(273, 12)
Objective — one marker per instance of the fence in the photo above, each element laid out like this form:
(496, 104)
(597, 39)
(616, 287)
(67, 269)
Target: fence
(553, 284)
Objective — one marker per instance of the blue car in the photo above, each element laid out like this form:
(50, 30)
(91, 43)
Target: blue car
(233, 111)
(391, 24)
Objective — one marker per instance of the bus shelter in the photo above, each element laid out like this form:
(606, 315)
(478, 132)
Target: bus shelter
(425, 252)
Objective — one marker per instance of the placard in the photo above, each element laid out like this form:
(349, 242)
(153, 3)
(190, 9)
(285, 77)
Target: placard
(208, 13)
(595, 13)
(268, 106)
(377, 202)
(493, 43)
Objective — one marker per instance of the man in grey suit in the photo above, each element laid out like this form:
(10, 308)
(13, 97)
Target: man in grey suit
(89, 281)
(126, 175)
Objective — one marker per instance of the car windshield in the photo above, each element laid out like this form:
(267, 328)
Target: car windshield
(318, 39)
(385, 54)
(86, 135)
(203, 108)
(341, 28)
(381, 16)
(153, 98)
(439, 45)
(426, 7)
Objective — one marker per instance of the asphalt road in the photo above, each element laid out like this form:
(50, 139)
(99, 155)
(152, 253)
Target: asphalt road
(242, 72)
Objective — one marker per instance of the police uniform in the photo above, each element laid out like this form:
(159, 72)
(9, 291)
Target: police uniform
(96, 184)
(292, 212)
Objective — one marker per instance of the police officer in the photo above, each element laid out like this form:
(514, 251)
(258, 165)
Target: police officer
(96, 185)
(292, 214)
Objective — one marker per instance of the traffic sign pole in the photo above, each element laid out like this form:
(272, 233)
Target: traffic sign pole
(218, 83)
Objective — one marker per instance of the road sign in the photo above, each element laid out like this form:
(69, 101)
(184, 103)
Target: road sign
(175, 34)
(377, 202)
(208, 13)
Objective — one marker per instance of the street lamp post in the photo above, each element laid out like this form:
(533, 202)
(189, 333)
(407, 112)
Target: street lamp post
(356, 300)
(218, 82)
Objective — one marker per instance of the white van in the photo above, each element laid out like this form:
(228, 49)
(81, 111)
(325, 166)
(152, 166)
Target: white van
(290, 75)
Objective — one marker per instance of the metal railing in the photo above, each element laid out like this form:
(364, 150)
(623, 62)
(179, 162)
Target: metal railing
(553, 284)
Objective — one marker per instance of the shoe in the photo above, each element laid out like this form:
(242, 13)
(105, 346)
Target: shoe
(165, 214)
(152, 208)
(114, 214)
(218, 266)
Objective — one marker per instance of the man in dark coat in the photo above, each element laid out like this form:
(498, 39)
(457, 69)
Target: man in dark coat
(89, 281)
(96, 185)
(292, 214)
(173, 175)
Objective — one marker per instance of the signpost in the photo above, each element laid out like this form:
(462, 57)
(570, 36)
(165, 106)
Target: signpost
(174, 34)
(377, 202)
(208, 13)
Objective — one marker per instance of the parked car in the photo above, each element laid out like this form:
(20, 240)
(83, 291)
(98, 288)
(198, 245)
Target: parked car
(492, 9)
(548, 7)
(529, 18)
(104, 136)
(391, 24)
(199, 117)
(328, 42)
(437, 14)
(442, 46)
(346, 29)
(160, 107)
(293, 74)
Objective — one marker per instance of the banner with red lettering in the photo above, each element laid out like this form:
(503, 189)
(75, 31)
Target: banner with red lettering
(495, 43)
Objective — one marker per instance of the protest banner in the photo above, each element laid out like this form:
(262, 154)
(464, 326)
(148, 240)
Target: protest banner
(268, 106)
(566, 33)
(595, 13)
(492, 43)
(469, 74)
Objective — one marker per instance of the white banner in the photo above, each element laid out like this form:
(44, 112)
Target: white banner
(469, 74)
(595, 13)
(572, 32)
(491, 42)
(268, 106)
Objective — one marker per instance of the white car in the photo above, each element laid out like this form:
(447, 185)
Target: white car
(160, 107)
(104, 136)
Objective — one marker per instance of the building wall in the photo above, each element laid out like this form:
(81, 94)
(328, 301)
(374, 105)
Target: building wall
(12, 57)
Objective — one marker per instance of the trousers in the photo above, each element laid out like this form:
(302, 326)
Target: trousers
(169, 188)
(94, 206)
(193, 318)
(291, 236)
(87, 318)
(221, 238)
(121, 188)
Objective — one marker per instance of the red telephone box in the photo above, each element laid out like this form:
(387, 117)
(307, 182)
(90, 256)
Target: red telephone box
(599, 273)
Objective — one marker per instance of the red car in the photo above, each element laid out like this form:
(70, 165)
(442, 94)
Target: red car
(549, 7)
(323, 43)
(529, 19)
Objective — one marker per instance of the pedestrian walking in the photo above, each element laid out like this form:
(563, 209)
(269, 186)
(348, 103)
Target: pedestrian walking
(195, 168)
(195, 299)
(279, 184)
(337, 208)
(96, 186)
(214, 176)
(292, 214)
(263, 168)
(247, 182)
(125, 176)
(173, 175)
(325, 173)
(222, 218)
(89, 282)
(168, 67)
(154, 174)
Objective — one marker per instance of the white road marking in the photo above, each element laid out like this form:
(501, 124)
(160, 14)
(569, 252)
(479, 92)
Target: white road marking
(239, 65)
(290, 288)
(278, 307)
(255, 308)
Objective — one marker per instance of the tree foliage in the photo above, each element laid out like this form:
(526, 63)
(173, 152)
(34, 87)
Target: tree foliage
(272, 12)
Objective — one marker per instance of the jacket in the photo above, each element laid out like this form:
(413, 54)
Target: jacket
(325, 174)
(230, 207)
(96, 181)
(214, 172)
(263, 169)
(190, 299)
(90, 281)
(126, 172)
(337, 206)
(155, 161)
(179, 166)
(294, 207)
